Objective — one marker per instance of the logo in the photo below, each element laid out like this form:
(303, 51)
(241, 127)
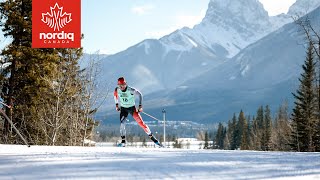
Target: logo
(56, 19)
(56, 24)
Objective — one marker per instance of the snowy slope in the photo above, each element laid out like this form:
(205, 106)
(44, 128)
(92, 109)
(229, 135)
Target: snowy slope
(264, 73)
(153, 65)
(302, 7)
(188, 59)
(44, 162)
(227, 27)
(298, 9)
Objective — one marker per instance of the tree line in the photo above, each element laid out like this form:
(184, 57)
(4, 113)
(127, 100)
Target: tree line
(49, 98)
(259, 132)
(299, 131)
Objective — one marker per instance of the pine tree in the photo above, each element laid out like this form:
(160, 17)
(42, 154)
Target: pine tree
(61, 113)
(228, 136)
(206, 140)
(268, 127)
(245, 138)
(316, 47)
(259, 126)
(317, 133)
(255, 135)
(281, 130)
(259, 118)
(220, 136)
(305, 111)
(239, 129)
(249, 132)
(22, 86)
(313, 37)
(43, 85)
(298, 130)
(235, 133)
(224, 137)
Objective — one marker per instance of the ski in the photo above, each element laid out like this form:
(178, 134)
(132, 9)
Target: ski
(121, 145)
(159, 145)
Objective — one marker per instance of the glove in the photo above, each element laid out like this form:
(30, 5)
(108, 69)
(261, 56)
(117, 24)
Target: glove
(117, 107)
(140, 108)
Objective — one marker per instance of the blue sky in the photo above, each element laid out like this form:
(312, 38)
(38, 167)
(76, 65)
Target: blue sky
(113, 26)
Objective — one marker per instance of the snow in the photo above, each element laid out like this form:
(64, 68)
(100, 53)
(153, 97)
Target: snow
(57, 162)
(176, 41)
(192, 42)
(245, 70)
(232, 25)
(301, 7)
(146, 47)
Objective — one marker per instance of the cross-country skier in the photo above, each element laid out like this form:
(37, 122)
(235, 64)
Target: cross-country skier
(124, 97)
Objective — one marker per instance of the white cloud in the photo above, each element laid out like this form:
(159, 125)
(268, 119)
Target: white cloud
(141, 10)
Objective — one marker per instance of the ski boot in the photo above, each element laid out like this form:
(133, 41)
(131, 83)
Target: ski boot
(123, 142)
(158, 144)
(121, 145)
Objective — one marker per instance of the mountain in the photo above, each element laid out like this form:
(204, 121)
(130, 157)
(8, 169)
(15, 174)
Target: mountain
(229, 26)
(303, 7)
(182, 60)
(264, 73)
(154, 65)
(298, 9)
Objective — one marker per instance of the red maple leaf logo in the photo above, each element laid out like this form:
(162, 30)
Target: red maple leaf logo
(56, 19)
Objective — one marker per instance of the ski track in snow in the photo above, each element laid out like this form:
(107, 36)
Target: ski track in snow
(58, 162)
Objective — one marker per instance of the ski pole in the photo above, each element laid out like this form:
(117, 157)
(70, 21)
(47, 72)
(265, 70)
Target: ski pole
(8, 119)
(151, 116)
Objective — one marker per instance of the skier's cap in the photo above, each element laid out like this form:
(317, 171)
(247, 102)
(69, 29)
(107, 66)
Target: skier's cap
(121, 81)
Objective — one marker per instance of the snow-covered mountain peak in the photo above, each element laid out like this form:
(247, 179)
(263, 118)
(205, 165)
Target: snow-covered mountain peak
(146, 46)
(227, 27)
(302, 7)
(248, 11)
(178, 41)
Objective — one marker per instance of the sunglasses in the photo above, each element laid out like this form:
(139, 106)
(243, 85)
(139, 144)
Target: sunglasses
(122, 85)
